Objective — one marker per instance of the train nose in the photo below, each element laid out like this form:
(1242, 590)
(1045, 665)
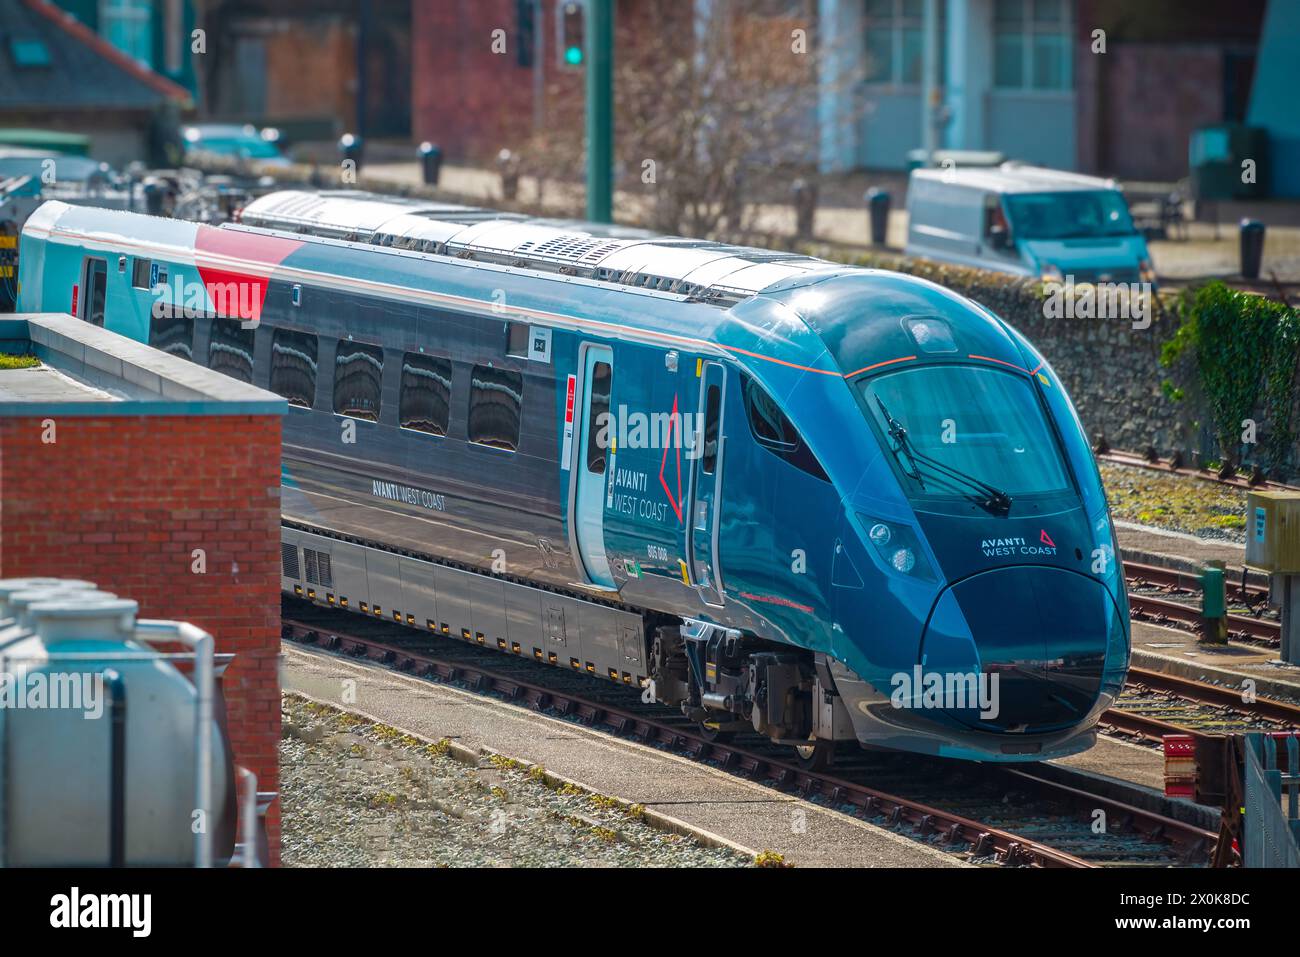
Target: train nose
(1031, 643)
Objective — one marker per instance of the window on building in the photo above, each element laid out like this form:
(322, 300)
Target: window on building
(173, 334)
(895, 41)
(495, 404)
(293, 367)
(29, 52)
(358, 380)
(1031, 45)
(424, 399)
(230, 349)
(128, 26)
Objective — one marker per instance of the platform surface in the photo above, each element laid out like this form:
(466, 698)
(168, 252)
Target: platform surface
(744, 814)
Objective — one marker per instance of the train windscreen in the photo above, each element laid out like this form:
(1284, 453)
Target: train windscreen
(951, 426)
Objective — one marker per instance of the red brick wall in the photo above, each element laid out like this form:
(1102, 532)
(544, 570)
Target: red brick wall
(125, 501)
(310, 71)
(469, 100)
(1140, 102)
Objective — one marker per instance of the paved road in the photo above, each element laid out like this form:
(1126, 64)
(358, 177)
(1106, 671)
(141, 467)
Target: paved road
(1209, 251)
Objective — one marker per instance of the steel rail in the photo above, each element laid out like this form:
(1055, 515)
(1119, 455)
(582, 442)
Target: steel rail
(1174, 467)
(1158, 611)
(1216, 695)
(1006, 847)
(1173, 579)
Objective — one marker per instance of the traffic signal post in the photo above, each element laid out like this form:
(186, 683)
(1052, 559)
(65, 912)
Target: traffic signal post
(600, 108)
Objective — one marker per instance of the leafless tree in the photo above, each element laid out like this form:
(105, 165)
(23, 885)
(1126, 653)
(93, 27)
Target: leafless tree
(713, 115)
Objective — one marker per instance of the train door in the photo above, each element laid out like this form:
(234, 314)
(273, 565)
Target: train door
(95, 284)
(706, 486)
(588, 515)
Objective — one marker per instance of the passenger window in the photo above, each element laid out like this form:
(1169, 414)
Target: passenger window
(495, 402)
(517, 340)
(602, 380)
(173, 334)
(96, 289)
(230, 350)
(293, 367)
(712, 412)
(773, 430)
(358, 379)
(140, 273)
(424, 399)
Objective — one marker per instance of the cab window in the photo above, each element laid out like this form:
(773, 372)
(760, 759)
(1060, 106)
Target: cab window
(774, 431)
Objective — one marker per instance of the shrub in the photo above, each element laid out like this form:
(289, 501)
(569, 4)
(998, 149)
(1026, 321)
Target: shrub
(1244, 349)
(8, 361)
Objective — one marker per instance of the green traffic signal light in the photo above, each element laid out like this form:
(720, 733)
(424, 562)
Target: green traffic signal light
(573, 56)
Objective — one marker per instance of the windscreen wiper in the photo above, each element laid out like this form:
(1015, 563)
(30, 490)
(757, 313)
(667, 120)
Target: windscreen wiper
(992, 498)
(899, 435)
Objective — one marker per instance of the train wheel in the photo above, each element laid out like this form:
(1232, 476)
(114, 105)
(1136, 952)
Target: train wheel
(713, 735)
(816, 755)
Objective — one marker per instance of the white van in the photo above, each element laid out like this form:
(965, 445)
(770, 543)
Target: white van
(1028, 221)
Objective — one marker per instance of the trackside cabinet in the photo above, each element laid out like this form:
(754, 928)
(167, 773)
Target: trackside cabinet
(1273, 546)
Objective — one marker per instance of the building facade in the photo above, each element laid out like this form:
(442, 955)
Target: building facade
(1093, 85)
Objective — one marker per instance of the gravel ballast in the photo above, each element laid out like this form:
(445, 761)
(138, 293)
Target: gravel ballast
(358, 794)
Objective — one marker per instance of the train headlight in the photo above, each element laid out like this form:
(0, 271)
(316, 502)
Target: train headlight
(897, 546)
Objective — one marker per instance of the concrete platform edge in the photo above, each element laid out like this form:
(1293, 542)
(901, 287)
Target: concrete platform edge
(1198, 671)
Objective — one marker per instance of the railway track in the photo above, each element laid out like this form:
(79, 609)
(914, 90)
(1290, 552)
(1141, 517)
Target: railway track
(992, 814)
(1161, 611)
(1240, 590)
(1255, 480)
(1156, 704)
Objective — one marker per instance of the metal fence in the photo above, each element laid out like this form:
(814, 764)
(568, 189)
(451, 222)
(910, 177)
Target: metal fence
(1272, 823)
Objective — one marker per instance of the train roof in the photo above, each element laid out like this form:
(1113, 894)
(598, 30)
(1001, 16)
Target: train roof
(703, 270)
(781, 315)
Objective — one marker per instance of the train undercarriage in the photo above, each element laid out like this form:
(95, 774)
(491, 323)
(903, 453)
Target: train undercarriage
(722, 679)
(729, 682)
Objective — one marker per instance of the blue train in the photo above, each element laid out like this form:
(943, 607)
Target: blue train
(828, 504)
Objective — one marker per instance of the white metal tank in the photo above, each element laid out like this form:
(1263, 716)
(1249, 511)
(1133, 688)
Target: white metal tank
(9, 586)
(65, 803)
